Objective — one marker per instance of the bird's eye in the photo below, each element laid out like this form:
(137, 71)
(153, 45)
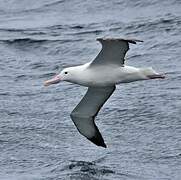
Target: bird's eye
(65, 72)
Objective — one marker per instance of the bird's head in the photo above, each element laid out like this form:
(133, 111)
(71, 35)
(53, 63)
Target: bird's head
(65, 75)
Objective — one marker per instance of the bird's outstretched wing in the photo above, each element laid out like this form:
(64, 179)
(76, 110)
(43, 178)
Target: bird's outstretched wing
(85, 112)
(113, 51)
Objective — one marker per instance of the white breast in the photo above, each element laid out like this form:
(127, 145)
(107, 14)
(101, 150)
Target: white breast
(105, 75)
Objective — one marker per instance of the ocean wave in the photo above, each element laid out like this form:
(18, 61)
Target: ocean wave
(97, 32)
(73, 26)
(149, 25)
(54, 3)
(23, 40)
(52, 32)
(39, 8)
(166, 23)
(33, 40)
(87, 170)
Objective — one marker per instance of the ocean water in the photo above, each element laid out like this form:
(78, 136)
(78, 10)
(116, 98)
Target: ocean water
(140, 123)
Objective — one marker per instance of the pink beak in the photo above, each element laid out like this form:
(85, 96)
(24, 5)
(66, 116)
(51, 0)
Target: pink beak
(54, 80)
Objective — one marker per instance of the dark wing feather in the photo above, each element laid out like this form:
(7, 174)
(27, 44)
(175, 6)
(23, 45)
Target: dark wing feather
(85, 112)
(113, 51)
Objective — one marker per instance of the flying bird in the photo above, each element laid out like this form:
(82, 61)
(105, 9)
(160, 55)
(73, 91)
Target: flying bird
(101, 77)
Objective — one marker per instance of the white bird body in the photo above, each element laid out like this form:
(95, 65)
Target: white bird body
(103, 76)
(100, 76)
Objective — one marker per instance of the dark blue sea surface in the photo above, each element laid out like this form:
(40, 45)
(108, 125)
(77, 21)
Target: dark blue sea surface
(141, 122)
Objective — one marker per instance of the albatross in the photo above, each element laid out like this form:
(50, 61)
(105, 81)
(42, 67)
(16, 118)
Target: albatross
(101, 77)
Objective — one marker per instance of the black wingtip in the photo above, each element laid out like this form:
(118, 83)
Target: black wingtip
(105, 146)
(98, 141)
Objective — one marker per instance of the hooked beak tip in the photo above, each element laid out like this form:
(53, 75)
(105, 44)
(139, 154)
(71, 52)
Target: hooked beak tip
(46, 83)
